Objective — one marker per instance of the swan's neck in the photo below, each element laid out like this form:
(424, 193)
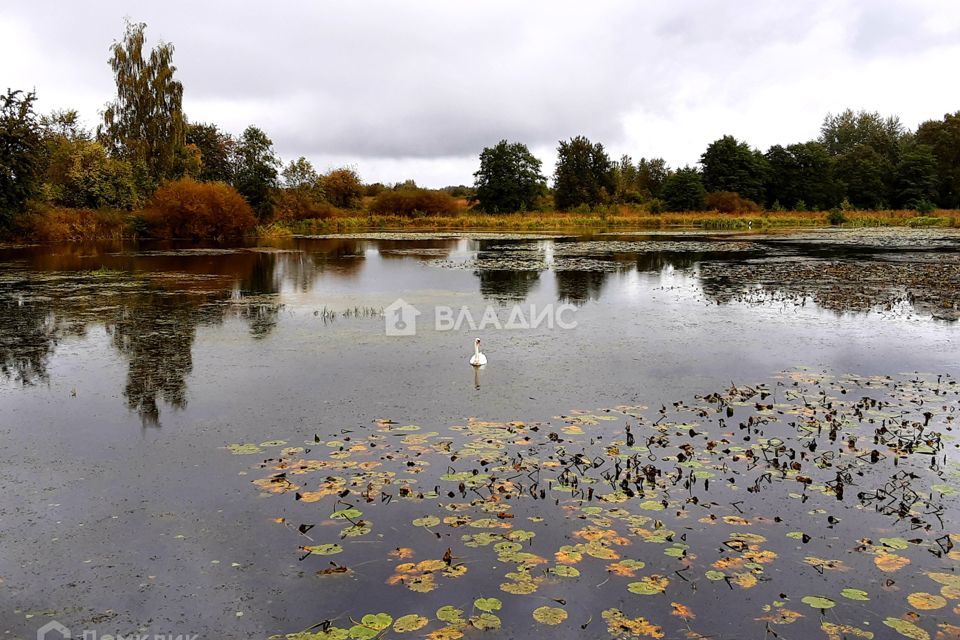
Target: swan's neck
(476, 348)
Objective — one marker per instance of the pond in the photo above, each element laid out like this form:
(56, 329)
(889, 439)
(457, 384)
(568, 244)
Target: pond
(677, 435)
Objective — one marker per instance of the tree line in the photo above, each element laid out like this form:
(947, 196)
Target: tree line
(146, 154)
(860, 160)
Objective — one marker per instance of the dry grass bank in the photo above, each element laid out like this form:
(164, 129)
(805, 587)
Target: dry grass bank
(66, 225)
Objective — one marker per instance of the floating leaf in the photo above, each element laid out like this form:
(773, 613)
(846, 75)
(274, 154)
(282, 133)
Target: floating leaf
(487, 604)
(347, 514)
(426, 521)
(926, 601)
(549, 615)
(450, 614)
(411, 622)
(907, 629)
(243, 449)
(566, 571)
(855, 594)
(844, 632)
(894, 543)
(485, 622)
(649, 585)
(890, 562)
(378, 621)
(818, 602)
(324, 549)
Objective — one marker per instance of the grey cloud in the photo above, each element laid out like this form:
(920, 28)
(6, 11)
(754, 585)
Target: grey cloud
(381, 80)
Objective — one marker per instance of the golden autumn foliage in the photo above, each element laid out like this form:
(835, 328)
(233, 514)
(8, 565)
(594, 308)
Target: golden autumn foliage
(407, 202)
(188, 209)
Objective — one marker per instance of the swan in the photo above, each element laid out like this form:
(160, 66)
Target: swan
(478, 359)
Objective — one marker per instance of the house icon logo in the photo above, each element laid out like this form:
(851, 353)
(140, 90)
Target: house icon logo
(53, 630)
(400, 319)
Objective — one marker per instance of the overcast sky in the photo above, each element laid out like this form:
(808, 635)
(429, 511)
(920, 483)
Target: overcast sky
(415, 89)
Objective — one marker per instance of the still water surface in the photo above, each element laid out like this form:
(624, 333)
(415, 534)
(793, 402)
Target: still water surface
(128, 371)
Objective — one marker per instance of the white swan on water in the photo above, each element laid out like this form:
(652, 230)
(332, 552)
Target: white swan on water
(478, 359)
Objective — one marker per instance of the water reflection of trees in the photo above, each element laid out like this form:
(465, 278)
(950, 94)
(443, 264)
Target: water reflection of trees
(504, 285)
(151, 318)
(579, 287)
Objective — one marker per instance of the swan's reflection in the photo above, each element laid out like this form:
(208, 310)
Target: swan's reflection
(476, 377)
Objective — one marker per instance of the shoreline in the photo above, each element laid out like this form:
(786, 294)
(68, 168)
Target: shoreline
(86, 225)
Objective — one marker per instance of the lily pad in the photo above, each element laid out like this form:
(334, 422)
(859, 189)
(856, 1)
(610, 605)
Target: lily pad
(411, 622)
(907, 629)
(487, 604)
(549, 615)
(818, 602)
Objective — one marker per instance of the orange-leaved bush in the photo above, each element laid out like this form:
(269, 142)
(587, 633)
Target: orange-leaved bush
(406, 202)
(186, 208)
(730, 202)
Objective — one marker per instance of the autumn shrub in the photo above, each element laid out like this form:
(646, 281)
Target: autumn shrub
(186, 208)
(45, 223)
(730, 202)
(343, 188)
(407, 202)
(299, 204)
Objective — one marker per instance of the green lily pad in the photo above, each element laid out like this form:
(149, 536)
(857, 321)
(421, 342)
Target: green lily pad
(411, 622)
(549, 615)
(243, 449)
(894, 543)
(855, 594)
(485, 622)
(426, 521)
(487, 604)
(352, 513)
(907, 629)
(818, 602)
(451, 614)
(324, 549)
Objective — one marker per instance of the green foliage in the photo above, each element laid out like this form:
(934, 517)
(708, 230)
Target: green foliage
(145, 123)
(343, 188)
(21, 153)
(916, 177)
(302, 196)
(299, 174)
(866, 148)
(651, 175)
(255, 171)
(92, 179)
(683, 190)
(508, 179)
(730, 165)
(626, 176)
(836, 217)
(943, 137)
(842, 133)
(216, 150)
(188, 209)
(584, 174)
(863, 174)
(408, 202)
(801, 173)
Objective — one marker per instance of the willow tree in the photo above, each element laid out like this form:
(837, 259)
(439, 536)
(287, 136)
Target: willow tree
(145, 124)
